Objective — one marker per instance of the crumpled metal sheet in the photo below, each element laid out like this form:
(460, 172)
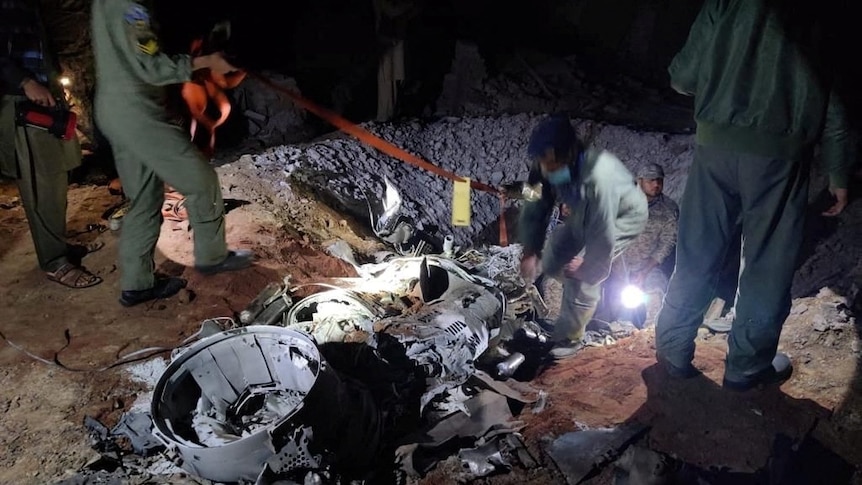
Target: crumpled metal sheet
(444, 333)
(485, 459)
(138, 428)
(580, 453)
(486, 413)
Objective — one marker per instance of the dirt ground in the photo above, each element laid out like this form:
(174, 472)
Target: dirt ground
(43, 405)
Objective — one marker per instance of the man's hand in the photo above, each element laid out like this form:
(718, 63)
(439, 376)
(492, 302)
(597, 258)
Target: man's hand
(529, 268)
(572, 266)
(38, 93)
(841, 199)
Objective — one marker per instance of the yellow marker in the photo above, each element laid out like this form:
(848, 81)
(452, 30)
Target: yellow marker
(461, 202)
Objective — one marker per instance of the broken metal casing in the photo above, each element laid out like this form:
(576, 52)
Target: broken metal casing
(218, 372)
(264, 298)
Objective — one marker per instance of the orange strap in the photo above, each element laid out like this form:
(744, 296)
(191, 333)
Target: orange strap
(384, 146)
(504, 233)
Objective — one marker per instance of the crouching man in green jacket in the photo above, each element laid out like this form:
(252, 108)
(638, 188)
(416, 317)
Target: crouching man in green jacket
(607, 211)
(764, 97)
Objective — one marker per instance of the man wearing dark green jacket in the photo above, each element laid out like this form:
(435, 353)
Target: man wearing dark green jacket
(607, 211)
(763, 99)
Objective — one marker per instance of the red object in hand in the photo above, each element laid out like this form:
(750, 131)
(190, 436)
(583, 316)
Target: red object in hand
(59, 122)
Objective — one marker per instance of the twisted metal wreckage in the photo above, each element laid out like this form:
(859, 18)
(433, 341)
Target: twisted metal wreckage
(378, 375)
(368, 375)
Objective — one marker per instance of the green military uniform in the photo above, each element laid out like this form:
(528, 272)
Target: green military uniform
(762, 102)
(654, 244)
(608, 210)
(40, 162)
(149, 150)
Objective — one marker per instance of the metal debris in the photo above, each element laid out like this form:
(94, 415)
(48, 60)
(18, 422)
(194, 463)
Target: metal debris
(138, 429)
(253, 397)
(579, 454)
(484, 460)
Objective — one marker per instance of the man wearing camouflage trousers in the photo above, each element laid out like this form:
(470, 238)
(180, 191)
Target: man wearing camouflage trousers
(645, 258)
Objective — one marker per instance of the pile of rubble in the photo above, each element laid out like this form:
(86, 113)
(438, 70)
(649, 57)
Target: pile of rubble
(359, 378)
(491, 150)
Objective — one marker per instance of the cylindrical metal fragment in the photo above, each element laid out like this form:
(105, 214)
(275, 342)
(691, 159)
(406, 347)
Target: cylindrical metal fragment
(274, 312)
(508, 367)
(257, 305)
(448, 245)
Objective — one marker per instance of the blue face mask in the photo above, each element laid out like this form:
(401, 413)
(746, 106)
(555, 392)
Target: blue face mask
(560, 176)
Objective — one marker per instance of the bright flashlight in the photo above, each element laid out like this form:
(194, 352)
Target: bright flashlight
(632, 297)
(65, 81)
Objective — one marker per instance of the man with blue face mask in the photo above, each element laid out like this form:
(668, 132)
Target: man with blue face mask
(607, 211)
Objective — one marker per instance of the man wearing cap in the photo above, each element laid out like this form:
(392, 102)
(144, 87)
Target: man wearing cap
(649, 251)
(607, 212)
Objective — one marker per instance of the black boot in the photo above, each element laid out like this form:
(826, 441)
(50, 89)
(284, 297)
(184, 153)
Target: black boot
(163, 288)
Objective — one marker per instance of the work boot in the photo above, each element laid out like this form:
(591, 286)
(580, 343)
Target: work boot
(686, 372)
(780, 370)
(566, 348)
(235, 260)
(163, 288)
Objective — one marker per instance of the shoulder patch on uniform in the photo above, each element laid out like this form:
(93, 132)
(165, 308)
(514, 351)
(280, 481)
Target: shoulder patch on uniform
(149, 47)
(136, 14)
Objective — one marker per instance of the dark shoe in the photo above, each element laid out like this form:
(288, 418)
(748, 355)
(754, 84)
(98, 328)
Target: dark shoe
(566, 348)
(687, 372)
(235, 260)
(780, 370)
(164, 288)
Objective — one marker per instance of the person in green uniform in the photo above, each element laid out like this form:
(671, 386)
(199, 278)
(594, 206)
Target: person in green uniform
(607, 211)
(38, 160)
(149, 151)
(764, 96)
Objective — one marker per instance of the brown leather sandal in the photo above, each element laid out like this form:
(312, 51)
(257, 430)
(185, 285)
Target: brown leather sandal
(78, 251)
(73, 276)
